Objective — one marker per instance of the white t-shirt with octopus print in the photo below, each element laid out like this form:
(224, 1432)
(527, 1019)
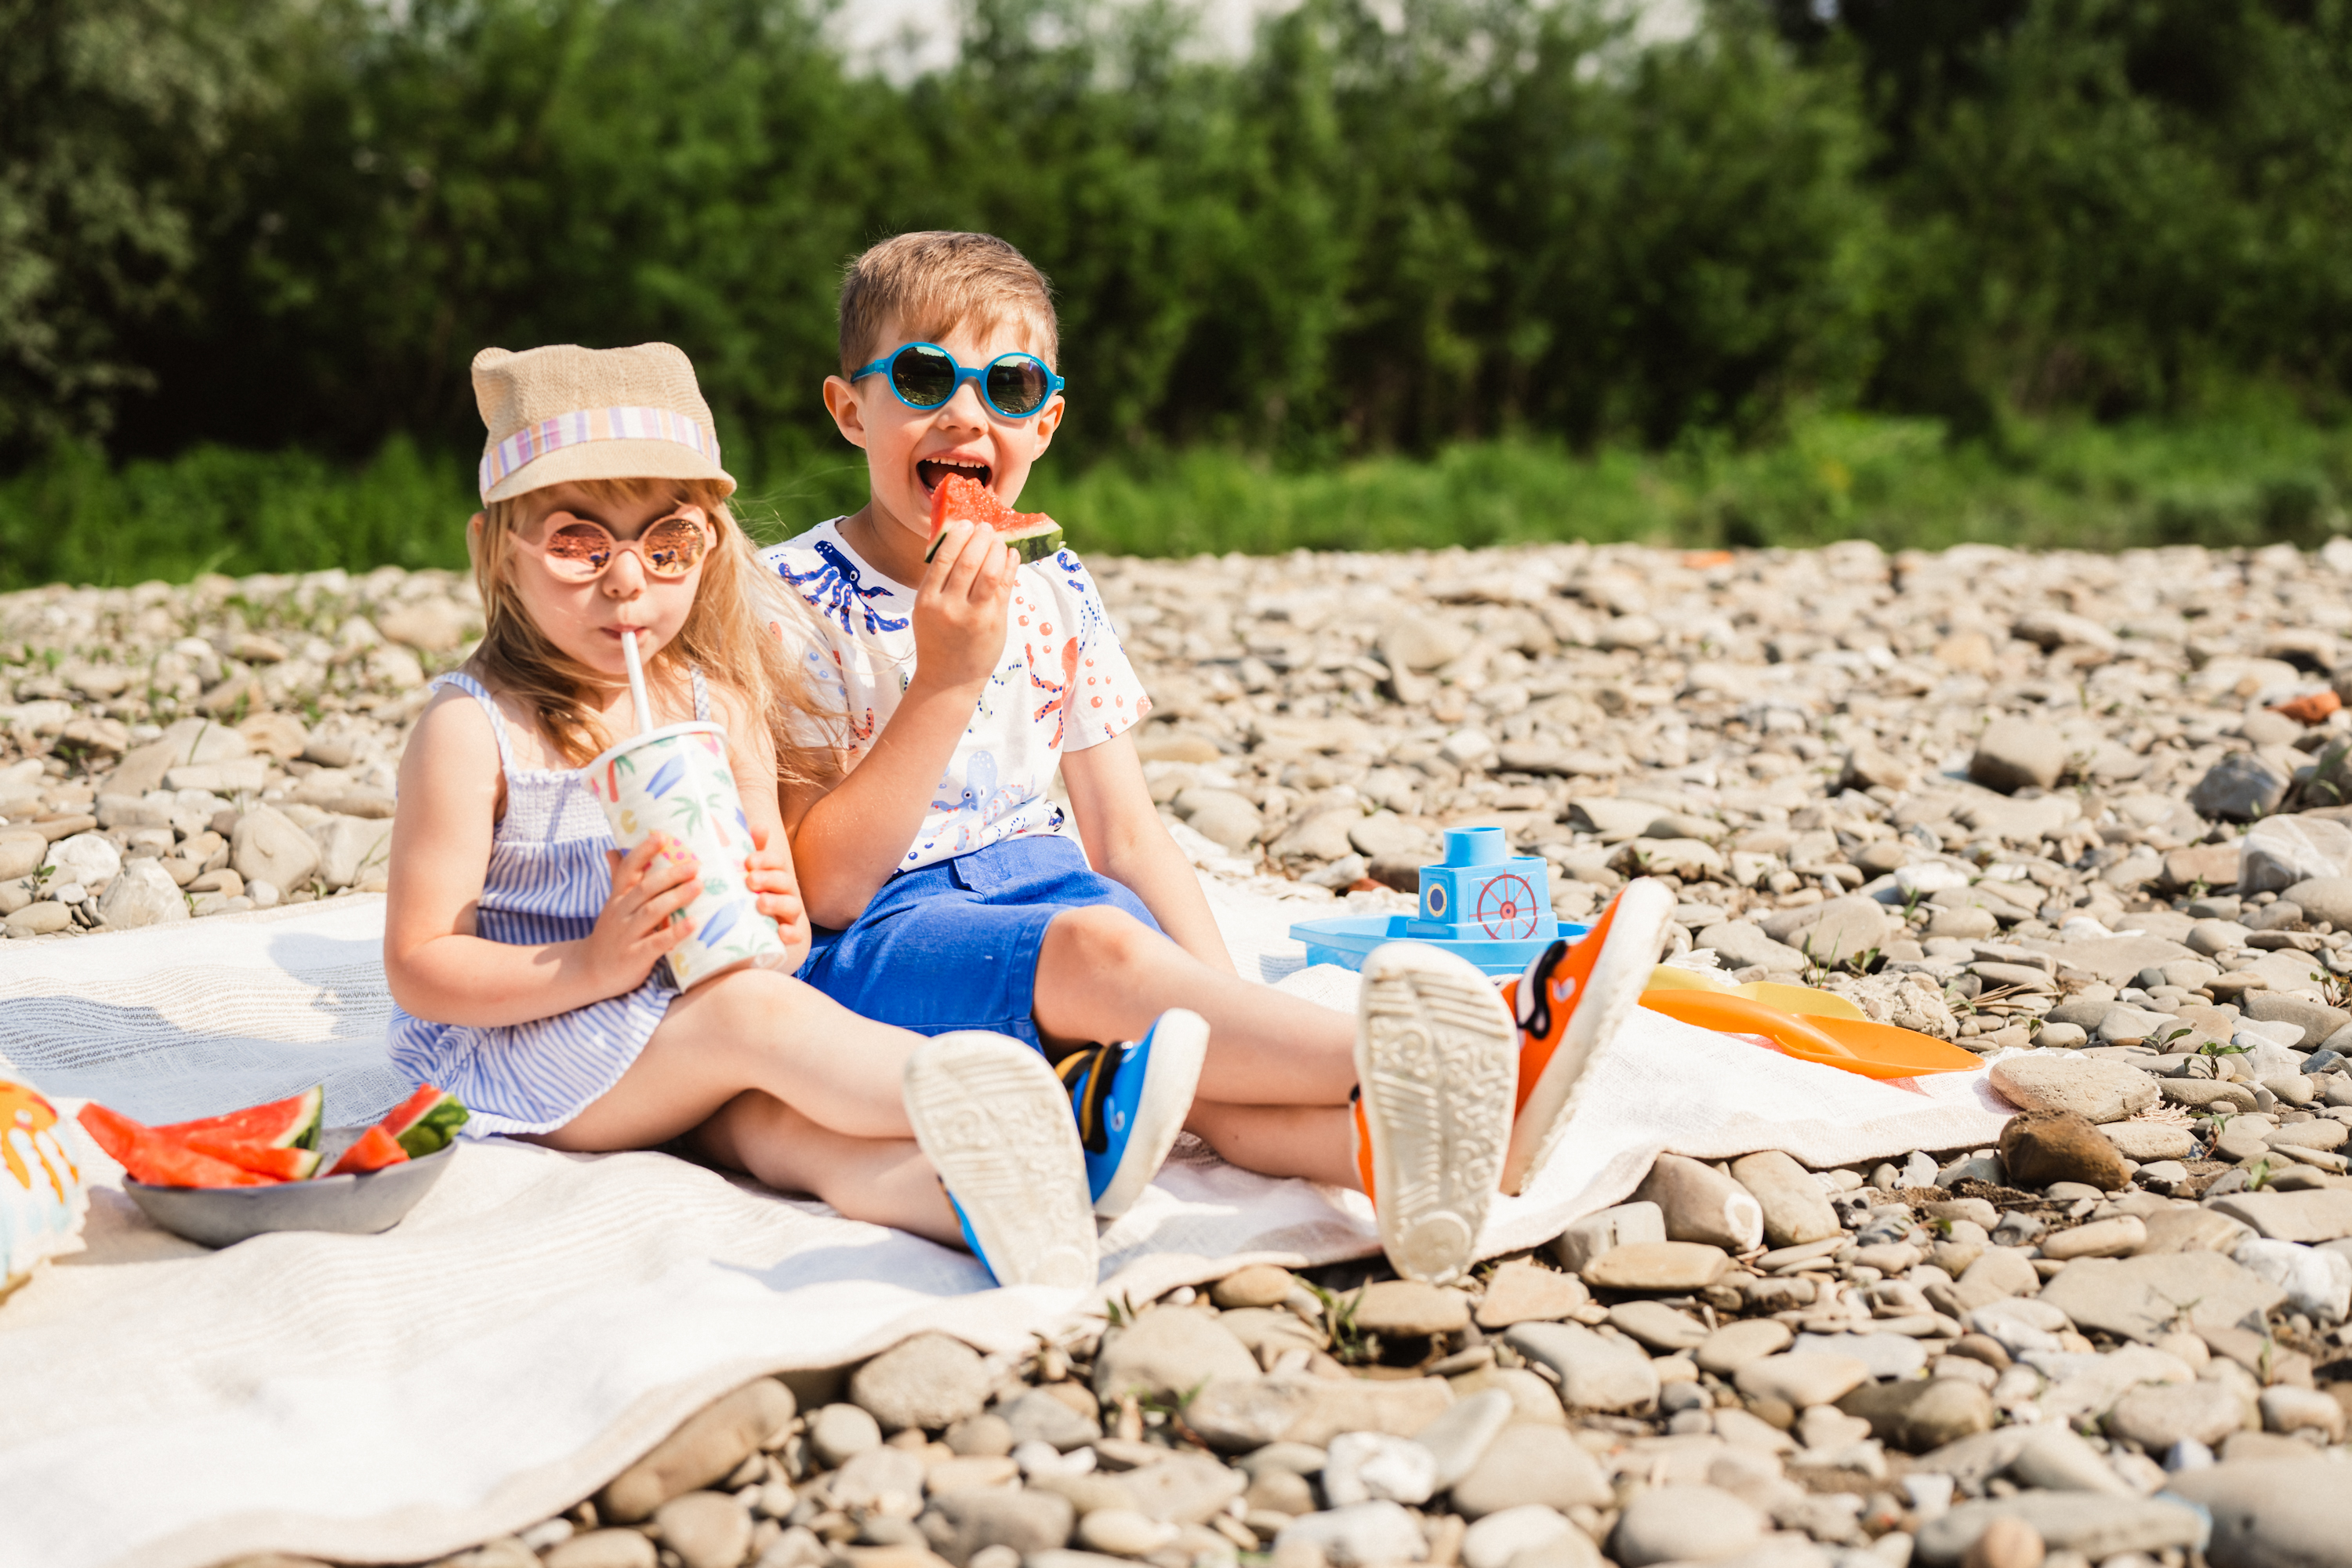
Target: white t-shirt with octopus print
(1064, 684)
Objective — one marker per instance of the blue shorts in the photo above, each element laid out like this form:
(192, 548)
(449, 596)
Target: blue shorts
(954, 945)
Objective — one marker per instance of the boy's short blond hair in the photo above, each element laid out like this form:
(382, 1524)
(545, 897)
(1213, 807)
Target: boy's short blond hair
(934, 281)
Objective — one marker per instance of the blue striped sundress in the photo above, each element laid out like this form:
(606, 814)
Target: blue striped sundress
(547, 881)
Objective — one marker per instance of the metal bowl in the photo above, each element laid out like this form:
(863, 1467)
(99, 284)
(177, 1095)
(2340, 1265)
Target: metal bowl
(350, 1206)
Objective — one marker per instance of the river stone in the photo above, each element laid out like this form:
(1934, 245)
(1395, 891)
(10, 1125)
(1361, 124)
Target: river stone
(1533, 1465)
(1524, 1292)
(1828, 931)
(1167, 1352)
(2184, 1228)
(2097, 1090)
(1742, 944)
(1796, 1210)
(1221, 816)
(1597, 1233)
(1801, 1378)
(839, 1432)
(2271, 1513)
(2323, 899)
(2095, 1526)
(1360, 1466)
(2143, 1297)
(144, 894)
(885, 1481)
(2280, 851)
(1458, 1439)
(1123, 1532)
(1658, 1326)
(89, 858)
(351, 850)
(930, 1382)
(1259, 1285)
(267, 847)
(1034, 1415)
(1408, 1307)
(2323, 1213)
(704, 1450)
(958, 1524)
(1886, 1354)
(1234, 1415)
(1917, 1415)
(1595, 1372)
(1661, 1265)
(2014, 753)
(1684, 1524)
(21, 854)
(2055, 1459)
(1733, 1345)
(2156, 1416)
(2241, 786)
(1496, 1538)
(707, 1530)
(2045, 1146)
(1358, 1536)
(1701, 1203)
(2116, 1237)
(2143, 1141)
(603, 1549)
(1186, 1489)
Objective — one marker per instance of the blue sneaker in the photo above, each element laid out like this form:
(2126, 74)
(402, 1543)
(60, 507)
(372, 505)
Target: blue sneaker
(1131, 1101)
(993, 1120)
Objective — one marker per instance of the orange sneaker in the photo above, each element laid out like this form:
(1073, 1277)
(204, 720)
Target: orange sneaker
(1569, 1001)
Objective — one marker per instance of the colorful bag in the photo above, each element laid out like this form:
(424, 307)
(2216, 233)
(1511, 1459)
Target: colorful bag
(42, 1201)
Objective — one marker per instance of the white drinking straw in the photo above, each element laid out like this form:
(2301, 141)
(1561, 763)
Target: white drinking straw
(637, 684)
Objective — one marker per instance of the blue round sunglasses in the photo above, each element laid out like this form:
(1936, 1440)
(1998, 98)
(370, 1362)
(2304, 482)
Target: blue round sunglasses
(925, 377)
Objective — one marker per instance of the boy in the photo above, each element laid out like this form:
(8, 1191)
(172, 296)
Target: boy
(945, 894)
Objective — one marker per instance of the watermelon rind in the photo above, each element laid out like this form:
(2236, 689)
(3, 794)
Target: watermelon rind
(426, 1122)
(158, 1162)
(374, 1151)
(1030, 535)
(289, 1123)
(1028, 544)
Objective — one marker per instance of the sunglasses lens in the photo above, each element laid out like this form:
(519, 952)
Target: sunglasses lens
(579, 549)
(673, 546)
(924, 376)
(1016, 384)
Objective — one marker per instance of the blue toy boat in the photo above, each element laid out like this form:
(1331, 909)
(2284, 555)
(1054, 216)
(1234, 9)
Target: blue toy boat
(1481, 902)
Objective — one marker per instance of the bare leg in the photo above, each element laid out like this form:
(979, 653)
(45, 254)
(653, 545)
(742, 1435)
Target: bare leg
(1103, 974)
(886, 1181)
(1316, 1141)
(752, 1030)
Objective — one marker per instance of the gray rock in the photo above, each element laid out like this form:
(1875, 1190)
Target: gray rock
(839, 1432)
(1795, 1208)
(1733, 1345)
(958, 1524)
(1123, 1532)
(2055, 1458)
(1034, 1415)
(1597, 1233)
(2275, 1513)
(1222, 815)
(44, 919)
(89, 858)
(2144, 1142)
(2280, 851)
(707, 1530)
(2143, 1297)
(1701, 1203)
(1595, 1374)
(1536, 1465)
(1684, 1524)
(2318, 1019)
(351, 850)
(1657, 1266)
(2014, 753)
(1234, 1415)
(1658, 1326)
(1360, 1466)
(1741, 945)
(1422, 642)
(21, 854)
(2324, 899)
(1457, 1440)
(2098, 1527)
(1916, 1416)
(1410, 1308)
(1358, 1536)
(1167, 1352)
(1496, 1538)
(1827, 932)
(1520, 1291)
(603, 1549)
(885, 1480)
(144, 894)
(1186, 1489)
(704, 1448)
(267, 847)
(1886, 1355)
(2240, 787)
(1323, 837)
(929, 1382)
(2323, 1213)
(2099, 1091)
(1801, 1378)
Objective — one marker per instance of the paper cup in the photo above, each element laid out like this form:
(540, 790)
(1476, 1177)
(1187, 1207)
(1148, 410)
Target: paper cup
(673, 785)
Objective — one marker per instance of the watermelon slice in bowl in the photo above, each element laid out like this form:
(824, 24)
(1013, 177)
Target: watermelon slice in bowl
(1032, 535)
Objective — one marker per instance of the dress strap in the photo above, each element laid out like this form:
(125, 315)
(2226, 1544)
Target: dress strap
(466, 683)
(701, 694)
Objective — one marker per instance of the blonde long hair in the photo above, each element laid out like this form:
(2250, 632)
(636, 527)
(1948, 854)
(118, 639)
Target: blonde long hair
(728, 632)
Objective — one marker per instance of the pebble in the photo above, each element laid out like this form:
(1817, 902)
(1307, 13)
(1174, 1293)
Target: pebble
(705, 1449)
(1795, 1209)
(2157, 1415)
(1657, 1266)
(1802, 1378)
(2096, 1091)
(959, 1524)
(841, 1432)
(1733, 1345)
(1524, 1292)
(1702, 1205)
(1123, 1532)
(1658, 1326)
(1358, 1536)
(1536, 1465)
(1459, 1438)
(2272, 1513)
(1494, 1541)
(2097, 1527)
(929, 1382)
(603, 1549)
(1410, 1308)
(1359, 1466)
(1167, 1353)
(1595, 1372)
(707, 1530)
(2046, 1146)
(1683, 1524)
(1259, 1285)
(1586, 1239)
(2116, 1237)
(1034, 1415)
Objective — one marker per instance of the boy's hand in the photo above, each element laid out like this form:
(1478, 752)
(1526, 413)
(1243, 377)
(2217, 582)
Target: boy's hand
(768, 872)
(635, 929)
(960, 609)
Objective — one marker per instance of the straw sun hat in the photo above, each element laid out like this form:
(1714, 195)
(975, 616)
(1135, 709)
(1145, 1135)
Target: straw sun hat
(564, 413)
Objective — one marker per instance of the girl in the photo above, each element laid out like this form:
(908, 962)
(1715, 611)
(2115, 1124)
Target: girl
(524, 952)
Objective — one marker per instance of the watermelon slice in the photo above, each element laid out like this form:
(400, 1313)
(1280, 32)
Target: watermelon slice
(263, 1159)
(426, 1122)
(374, 1152)
(288, 1124)
(158, 1160)
(1032, 534)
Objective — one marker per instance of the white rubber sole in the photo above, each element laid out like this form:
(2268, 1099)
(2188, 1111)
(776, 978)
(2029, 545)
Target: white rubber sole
(1637, 928)
(1179, 1044)
(995, 1123)
(1437, 1060)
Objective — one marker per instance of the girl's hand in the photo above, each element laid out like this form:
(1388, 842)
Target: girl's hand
(960, 609)
(635, 929)
(768, 872)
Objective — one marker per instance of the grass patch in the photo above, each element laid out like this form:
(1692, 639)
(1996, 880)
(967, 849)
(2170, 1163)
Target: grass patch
(1900, 482)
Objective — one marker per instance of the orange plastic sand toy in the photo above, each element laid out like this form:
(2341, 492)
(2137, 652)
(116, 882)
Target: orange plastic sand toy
(1850, 1045)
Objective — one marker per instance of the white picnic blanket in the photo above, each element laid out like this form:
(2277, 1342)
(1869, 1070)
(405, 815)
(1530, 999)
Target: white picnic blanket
(541, 1318)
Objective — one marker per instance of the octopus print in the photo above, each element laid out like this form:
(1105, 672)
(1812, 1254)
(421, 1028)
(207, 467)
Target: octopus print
(1057, 693)
(834, 588)
(980, 805)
